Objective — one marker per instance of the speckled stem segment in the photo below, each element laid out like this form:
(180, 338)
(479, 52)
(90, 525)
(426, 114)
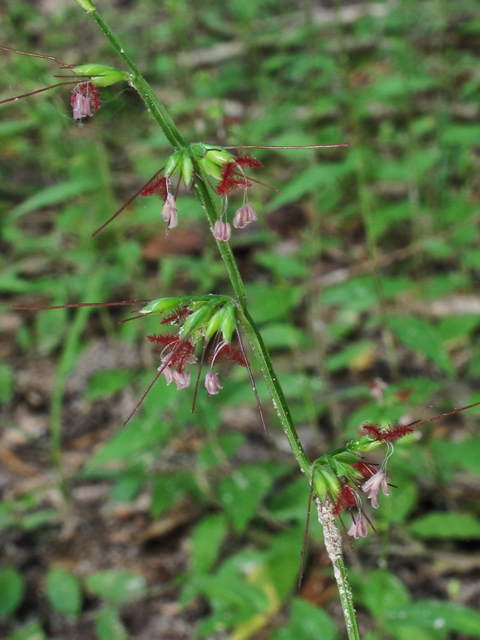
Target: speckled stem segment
(333, 544)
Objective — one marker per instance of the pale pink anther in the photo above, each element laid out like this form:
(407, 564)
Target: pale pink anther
(169, 212)
(212, 383)
(182, 380)
(373, 484)
(81, 107)
(244, 216)
(167, 372)
(221, 231)
(358, 529)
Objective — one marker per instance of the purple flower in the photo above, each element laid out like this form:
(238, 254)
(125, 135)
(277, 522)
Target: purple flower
(244, 216)
(222, 231)
(167, 372)
(81, 107)
(212, 383)
(84, 97)
(373, 484)
(358, 529)
(182, 380)
(169, 212)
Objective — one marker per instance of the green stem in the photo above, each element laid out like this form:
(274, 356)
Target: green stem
(139, 83)
(204, 196)
(253, 334)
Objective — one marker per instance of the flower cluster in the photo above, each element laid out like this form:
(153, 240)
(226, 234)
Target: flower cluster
(210, 320)
(87, 78)
(343, 474)
(217, 163)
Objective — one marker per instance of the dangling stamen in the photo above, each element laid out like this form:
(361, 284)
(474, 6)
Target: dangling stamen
(252, 381)
(388, 455)
(126, 203)
(218, 348)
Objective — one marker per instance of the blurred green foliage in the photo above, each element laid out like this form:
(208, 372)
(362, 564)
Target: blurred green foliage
(365, 266)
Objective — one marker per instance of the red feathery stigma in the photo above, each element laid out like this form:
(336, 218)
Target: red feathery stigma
(367, 470)
(345, 500)
(390, 434)
(230, 353)
(177, 316)
(165, 339)
(156, 187)
(247, 161)
(183, 356)
(88, 90)
(229, 181)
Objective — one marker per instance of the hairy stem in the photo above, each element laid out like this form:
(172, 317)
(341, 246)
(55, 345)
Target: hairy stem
(333, 544)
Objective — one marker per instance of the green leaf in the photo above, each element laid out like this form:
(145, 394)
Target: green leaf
(270, 303)
(30, 631)
(464, 455)
(206, 541)
(116, 586)
(310, 181)
(282, 266)
(434, 614)
(63, 591)
(282, 336)
(54, 195)
(307, 623)
(423, 338)
(6, 383)
(12, 589)
(400, 503)
(242, 492)
(213, 453)
(39, 519)
(282, 559)
(50, 329)
(7, 516)
(357, 355)
(381, 591)
(109, 626)
(168, 489)
(136, 435)
(458, 526)
(105, 384)
(291, 502)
